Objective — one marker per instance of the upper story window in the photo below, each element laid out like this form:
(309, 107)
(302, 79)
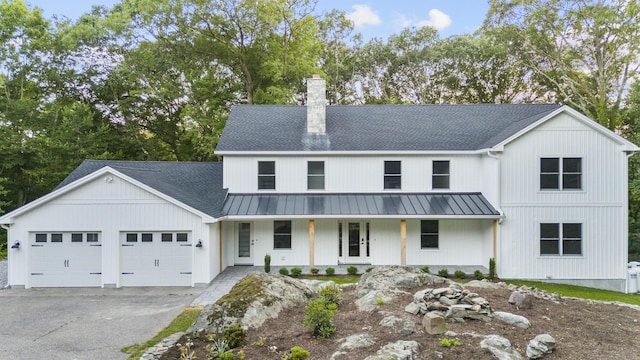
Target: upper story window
(266, 175)
(282, 234)
(429, 234)
(440, 174)
(560, 239)
(392, 175)
(315, 175)
(560, 173)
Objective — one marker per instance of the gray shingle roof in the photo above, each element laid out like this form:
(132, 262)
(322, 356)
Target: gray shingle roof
(196, 184)
(379, 127)
(396, 204)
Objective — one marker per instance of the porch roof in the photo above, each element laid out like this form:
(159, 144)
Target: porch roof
(436, 205)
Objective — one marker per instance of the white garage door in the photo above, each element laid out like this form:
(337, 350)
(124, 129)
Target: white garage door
(155, 258)
(65, 259)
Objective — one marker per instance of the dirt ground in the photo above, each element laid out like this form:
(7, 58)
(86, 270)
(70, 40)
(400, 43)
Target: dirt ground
(582, 331)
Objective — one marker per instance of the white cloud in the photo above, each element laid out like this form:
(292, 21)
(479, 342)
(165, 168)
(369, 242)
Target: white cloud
(363, 15)
(437, 19)
(400, 21)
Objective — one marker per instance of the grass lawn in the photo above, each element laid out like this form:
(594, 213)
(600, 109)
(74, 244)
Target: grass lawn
(580, 292)
(180, 323)
(338, 279)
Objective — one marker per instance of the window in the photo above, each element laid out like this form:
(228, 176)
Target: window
(315, 175)
(92, 237)
(552, 168)
(282, 234)
(429, 234)
(41, 238)
(440, 174)
(147, 237)
(167, 237)
(266, 175)
(75, 238)
(182, 237)
(561, 239)
(131, 237)
(392, 175)
(56, 238)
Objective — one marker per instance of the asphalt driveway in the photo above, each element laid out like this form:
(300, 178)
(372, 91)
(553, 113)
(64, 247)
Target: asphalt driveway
(84, 323)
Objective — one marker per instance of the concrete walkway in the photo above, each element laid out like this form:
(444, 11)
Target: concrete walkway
(223, 283)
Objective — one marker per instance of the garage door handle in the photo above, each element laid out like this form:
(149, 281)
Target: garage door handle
(36, 273)
(34, 245)
(95, 273)
(127, 273)
(185, 273)
(185, 244)
(95, 245)
(127, 244)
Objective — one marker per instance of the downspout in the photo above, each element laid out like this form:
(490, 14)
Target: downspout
(499, 203)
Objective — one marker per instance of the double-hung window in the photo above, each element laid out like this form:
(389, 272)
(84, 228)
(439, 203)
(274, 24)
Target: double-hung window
(392, 175)
(429, 234)
(560, 239)
(315, 175)
(560, 173)
(440, 174)
(266, 175)
(282, 234)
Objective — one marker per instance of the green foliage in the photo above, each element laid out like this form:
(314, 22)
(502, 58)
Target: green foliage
(443, 273)
(234, 335)
(298, 353)
(459, 274)
(284, 271)
(267, 263)
(352, 270)
(319, 318)
(315, 271)
(425, 269)
(478, 275)
(331, 293)
(580, 292)
(296, 271)
(449, 342)
(379, 301)
(330, 271)
(217, 349)
(492, 269)
(369, 269)
(229, 355)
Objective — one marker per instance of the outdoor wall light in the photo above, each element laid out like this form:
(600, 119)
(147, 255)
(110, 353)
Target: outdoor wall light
(16, 245)
(199, 244)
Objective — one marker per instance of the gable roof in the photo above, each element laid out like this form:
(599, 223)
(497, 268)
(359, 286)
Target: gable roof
(195, 185)
(269, 128)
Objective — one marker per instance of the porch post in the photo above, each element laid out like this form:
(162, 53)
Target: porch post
(220, 243)
(495, 240)
(403, 242)
(312, 240)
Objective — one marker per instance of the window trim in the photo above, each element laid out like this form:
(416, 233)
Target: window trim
(437, 234)
(561, 238)
(435, 175)
(289, 234)
(266, 175)
(392, 176)
(561, 173)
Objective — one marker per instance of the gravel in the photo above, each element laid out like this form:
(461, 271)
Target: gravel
(3, 274)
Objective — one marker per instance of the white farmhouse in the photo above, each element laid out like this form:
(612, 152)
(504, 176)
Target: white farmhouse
(542, 189)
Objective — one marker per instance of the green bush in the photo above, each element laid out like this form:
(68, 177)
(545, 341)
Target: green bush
(267, 263)
(330, 271)
(352, 270)
(459, 274)
(425, 269)
(492, 269)
(319, 318)
(298, 353)
(229, 355)
(478, 275)
(443, 273)
(234, 335)
(448, 342)
(331, 293)
(296, 271)
(284, 271)
(315, 271)
(369, 269)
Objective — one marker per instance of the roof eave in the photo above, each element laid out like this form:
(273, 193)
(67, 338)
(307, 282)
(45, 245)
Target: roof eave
(354, 152)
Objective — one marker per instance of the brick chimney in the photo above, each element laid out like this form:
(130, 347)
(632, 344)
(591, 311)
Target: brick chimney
(316, 105)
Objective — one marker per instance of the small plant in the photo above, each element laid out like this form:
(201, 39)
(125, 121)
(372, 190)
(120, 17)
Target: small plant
(330, 271)
(217, 349)
(284, 271)
(267, 263)
(379, 301)
(319, 317)
(260, 342)
(369, 269)
(425, 269)
(186, 353)
(241, 355)
(298, 353)
(459, 274)
(443, 273)
(478, 275)
(315, 271)
(492, 268)
(448, 342)
(228, 355)
(296, 271)
(211, 337)
(234, 335)
(352, 270)
(331, 293)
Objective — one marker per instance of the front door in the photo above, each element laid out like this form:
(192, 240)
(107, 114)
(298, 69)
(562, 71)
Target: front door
(356, 247)
(244, 244)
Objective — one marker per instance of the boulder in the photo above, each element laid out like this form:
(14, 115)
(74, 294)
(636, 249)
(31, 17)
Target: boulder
(356, 341)
(412, 308)
(512, 319)
(500, 348)
(402, 326)
(520, 300)
(399, 350)
(540, 346)
(484, 284)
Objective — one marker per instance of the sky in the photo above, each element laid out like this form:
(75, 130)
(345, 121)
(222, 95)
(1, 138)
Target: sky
(374, 18)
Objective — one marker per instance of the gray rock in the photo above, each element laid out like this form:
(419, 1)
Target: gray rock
(540, 346)
(500, 348)
(512, 319)
(434, 323)
(412, 308)
(447, 301)
(399, 350)
(456, 287)
(484, 284)
(406, 327)
(316, 285)
(357, 341)
(520, 300)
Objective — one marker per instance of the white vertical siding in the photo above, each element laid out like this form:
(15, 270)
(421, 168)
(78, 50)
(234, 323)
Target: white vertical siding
(385, 242)
(326, 242)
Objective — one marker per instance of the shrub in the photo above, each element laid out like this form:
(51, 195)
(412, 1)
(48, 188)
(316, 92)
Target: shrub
(298, 353)
(296, 271)
(352, 270)
(330, 271)
(267, 263)
(319, 317)
(459, 274)
(443, 273)
(284, 271)
(492, 268)
(447, 342)
(234, 335)
(478, 275)
(369, 269)
(315, 271)
(331, 293)
(425, 269)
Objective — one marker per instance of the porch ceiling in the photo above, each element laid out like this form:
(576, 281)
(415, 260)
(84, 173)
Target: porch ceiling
(360, 204)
